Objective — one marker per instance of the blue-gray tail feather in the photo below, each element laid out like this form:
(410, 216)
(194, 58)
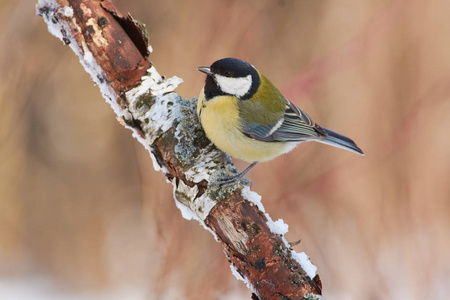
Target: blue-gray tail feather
(340, 141)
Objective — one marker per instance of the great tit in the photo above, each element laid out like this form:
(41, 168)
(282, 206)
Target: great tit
(246, 116)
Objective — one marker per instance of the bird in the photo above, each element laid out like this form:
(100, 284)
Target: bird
(247, 117)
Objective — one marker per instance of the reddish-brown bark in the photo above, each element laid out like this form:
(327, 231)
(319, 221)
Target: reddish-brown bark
(119, 46)
(257, 253)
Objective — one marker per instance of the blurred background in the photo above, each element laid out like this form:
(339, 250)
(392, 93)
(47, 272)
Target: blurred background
(83, 215)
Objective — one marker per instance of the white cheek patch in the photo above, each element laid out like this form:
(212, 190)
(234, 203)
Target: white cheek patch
(234, 86)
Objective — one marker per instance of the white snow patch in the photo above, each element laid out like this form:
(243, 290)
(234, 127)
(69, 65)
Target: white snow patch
(305, 263)
(150, 150)
(53, 6)
(238, 276)
(277, 227)
(199, 206)
(186, 212)
(94, 69)
(281, 228)
(253, 197)
(156, 166)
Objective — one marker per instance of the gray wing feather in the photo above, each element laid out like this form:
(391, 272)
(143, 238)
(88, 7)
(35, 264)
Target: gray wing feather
(295, 126)
(259, 132)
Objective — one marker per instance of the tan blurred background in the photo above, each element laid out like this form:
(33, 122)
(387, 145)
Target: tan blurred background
(83, 215)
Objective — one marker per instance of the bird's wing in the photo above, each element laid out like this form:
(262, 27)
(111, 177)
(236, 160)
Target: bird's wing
(297, 126)
(292, 125)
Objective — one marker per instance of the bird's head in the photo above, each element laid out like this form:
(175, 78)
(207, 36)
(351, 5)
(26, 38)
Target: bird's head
(230, 76)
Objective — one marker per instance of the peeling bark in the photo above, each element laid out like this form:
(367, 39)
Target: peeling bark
(114, 50)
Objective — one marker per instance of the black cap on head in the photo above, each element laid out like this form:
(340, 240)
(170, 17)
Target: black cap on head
(232, 67)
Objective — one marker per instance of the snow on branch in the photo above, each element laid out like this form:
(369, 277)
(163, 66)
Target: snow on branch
(114, 50)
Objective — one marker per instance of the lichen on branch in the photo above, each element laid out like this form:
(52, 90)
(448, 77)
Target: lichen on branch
(114, 50)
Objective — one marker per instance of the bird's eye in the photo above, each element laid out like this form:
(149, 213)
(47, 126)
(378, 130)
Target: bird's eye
(228, 74)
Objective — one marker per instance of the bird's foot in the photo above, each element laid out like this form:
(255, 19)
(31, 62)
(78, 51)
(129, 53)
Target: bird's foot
(238, 178)
(228, 181)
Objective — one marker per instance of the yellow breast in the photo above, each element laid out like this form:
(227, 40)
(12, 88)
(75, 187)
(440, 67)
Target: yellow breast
(220, 120)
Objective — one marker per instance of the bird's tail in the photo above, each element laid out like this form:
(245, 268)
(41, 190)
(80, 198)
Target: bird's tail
(338, 140)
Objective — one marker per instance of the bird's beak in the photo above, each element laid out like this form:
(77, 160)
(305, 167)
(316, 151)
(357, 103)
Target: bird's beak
(206, 70)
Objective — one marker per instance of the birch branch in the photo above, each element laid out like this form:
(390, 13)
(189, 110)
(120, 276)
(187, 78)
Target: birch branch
(114, 50)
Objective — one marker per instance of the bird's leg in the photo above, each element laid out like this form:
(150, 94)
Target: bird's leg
(233, 179)
(242, 174)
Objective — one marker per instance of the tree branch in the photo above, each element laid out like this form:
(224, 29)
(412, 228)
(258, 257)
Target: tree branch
(114, 51)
